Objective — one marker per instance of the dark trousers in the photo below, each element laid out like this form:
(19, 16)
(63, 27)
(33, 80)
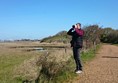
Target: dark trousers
(76, 54)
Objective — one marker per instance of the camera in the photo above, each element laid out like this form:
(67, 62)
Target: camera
(73, 26)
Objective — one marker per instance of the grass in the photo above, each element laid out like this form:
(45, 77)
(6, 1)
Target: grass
(9, 59)
(7, 66)
(86, 56)
(56, 67)
(115, 44)
(66, 73)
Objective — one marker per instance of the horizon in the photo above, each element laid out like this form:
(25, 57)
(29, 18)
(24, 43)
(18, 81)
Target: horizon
(39, 19)
(38, 39)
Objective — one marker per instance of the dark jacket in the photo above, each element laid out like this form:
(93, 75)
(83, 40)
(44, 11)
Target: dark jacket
(77, 37)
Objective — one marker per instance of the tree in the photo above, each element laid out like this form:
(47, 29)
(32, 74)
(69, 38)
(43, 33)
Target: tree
(92, 34)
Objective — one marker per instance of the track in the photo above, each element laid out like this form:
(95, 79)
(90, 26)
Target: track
(103, 69)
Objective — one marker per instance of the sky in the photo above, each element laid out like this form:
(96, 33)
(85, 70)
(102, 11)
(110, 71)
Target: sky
(37, 19)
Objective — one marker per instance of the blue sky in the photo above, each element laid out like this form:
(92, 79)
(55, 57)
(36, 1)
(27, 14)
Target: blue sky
(36, 19)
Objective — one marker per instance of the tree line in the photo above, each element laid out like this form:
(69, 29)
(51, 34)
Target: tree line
(94, 34)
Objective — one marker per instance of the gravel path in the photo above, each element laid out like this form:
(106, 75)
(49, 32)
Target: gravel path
(102, 69)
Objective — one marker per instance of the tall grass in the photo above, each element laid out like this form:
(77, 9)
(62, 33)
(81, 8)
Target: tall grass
(56, 67)
(9, 59)
(46, 66)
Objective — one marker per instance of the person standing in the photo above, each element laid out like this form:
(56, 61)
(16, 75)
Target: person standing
(77, 43)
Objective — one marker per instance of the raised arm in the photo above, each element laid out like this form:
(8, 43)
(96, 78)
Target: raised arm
(70, 32)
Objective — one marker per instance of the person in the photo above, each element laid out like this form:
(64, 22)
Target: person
(77, 43)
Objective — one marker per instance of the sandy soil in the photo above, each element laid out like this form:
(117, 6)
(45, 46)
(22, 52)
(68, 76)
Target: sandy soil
(102, 69)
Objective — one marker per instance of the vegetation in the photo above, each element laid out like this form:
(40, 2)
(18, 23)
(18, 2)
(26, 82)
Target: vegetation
(9, 59)
(109, 36)
(19, 63)
(94, 34)
(64, 70)
(60, 37)
(52, 66)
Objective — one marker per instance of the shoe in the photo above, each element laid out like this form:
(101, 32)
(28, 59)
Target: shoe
(78, 72)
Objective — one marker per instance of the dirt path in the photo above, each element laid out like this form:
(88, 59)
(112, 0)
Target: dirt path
(103, 69)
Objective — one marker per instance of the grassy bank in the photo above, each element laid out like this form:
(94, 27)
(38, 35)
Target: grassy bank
(90, 54)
